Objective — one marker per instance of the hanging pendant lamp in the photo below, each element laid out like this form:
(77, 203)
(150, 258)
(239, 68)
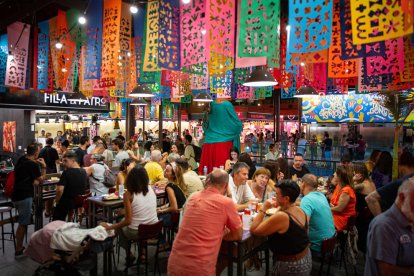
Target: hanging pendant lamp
(260, 77)
(306, 91)
(141, 90)
(203, 97)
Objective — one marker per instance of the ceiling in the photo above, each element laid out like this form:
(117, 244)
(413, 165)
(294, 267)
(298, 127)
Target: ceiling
(29, 11)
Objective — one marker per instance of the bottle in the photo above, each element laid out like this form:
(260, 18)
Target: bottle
(246, 218)
(121, 190)
(205, 170)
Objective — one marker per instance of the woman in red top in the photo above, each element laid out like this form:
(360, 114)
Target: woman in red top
(343, 198)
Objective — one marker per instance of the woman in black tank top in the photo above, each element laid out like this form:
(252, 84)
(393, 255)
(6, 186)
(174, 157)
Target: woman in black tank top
(287, 230)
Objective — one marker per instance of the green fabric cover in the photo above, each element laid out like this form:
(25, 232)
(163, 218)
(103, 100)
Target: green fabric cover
(222, 124)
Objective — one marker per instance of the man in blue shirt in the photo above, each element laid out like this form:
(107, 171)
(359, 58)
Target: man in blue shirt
(316, 207)
(390, 242)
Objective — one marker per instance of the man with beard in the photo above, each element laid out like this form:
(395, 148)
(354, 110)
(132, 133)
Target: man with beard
(390, 243)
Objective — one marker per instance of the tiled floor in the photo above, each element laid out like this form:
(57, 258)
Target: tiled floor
(22, 266)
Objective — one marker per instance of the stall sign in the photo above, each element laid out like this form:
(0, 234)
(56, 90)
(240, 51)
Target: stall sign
(61, 99)
(259, 116)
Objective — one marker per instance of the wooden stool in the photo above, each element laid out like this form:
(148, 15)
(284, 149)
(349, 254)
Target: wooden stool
(3, 222)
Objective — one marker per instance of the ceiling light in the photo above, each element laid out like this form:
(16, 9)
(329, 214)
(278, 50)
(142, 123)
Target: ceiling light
(260, 77)
(302, 64)
(141, 91)
(139, 102)
(203, 97)
(186, 1)
(306, 92)
(59, 45)
(64, 70)
(203, 32)
(82, 20)
(133, 9)
(129, 54)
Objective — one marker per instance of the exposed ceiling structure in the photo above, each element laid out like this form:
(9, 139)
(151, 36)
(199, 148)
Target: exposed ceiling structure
(30, 11)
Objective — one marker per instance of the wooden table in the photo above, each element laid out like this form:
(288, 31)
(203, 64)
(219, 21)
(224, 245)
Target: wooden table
(108, 207)
(245, 248)
(42, 192)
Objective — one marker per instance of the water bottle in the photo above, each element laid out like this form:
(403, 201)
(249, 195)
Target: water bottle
(205, 170)
(246, 219)
(121, 190)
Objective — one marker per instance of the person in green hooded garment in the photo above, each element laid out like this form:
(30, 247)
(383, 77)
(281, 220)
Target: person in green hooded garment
(222, 128)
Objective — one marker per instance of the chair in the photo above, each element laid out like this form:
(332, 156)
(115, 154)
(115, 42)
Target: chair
(7, 209)
(147, 232)
(342, 239)
(171, 230)
(327, 250)
(80, 205)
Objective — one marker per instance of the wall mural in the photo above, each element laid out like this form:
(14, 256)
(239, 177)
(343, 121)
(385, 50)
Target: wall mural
(363, 108)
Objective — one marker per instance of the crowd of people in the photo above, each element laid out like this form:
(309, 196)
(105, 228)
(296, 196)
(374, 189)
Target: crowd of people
(306, 213)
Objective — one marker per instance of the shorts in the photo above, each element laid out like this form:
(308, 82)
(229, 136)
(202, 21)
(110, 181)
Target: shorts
(24, 209)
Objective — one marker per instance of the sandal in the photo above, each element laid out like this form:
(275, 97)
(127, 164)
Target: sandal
(19, 252)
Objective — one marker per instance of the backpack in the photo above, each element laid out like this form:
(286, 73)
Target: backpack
(109, 177)
(197, 153)
(9, 187)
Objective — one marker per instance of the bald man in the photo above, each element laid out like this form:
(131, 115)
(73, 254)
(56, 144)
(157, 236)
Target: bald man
(316, 207)
(210, 217)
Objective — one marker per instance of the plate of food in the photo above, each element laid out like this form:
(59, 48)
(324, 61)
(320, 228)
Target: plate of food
(272, 211)
(111, 197)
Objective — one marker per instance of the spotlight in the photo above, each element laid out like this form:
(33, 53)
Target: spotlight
(133, 9)
(82, 20)
(59, 45)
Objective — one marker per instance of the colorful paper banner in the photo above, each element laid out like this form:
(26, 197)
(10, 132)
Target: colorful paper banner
(63, 57)
(337, 67)
(169, 35)
(259, 30)
(124, 55)
(310, 25)
(408, 73)
(4, 52)
(139, 34)
(19, 54)
(379, 20)
(393, 62)
(373, 82)
(94, 41)
(110, 34)
(193, 33)
(152, 36)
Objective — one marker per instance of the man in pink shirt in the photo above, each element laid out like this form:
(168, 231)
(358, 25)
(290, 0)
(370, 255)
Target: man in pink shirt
(209, 218)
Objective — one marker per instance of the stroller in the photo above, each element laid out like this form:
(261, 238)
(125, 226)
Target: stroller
(69, 260)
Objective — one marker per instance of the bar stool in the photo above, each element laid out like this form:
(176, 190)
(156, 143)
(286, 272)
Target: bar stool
(7, 209)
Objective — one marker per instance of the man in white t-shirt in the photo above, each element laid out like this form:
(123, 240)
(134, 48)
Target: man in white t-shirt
(240, 192)
(118, 146)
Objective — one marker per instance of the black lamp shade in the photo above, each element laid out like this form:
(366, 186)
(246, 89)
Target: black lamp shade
(260, 77)
(306, 92)
(203, 97)
(141, 90)
(138, 102)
